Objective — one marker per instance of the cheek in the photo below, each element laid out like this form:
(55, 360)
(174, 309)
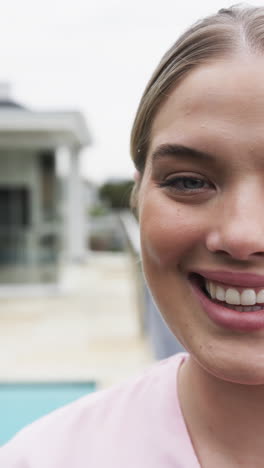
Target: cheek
(169, 231)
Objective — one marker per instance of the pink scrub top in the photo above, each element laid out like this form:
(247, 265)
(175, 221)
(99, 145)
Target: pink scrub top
(137, 424)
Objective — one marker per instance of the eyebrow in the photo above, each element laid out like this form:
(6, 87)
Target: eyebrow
(179, 151)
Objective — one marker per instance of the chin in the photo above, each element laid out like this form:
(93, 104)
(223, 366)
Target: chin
(231, 364)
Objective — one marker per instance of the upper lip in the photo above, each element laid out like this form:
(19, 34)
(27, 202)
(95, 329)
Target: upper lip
(250, 280)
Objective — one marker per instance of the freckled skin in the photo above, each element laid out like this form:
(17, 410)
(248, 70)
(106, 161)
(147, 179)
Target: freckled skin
(217, 108)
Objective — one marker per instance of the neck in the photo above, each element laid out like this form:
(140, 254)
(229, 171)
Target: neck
(222, 417)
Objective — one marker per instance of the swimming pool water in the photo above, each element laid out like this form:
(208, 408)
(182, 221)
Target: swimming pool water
(22, 403)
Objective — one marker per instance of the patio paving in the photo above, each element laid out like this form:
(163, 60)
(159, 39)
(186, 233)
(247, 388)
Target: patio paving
(90, 331)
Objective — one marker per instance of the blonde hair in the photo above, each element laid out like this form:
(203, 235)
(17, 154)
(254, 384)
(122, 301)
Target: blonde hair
(225, 33)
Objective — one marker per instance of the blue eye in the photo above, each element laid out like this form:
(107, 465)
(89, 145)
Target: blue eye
(186, 184)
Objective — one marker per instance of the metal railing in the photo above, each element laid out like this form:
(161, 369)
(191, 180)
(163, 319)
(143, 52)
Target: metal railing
(22, 246)
(28, 256)
(162, 339)
(13, 245)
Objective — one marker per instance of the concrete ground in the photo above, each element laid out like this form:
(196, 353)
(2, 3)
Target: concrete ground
(91, 331)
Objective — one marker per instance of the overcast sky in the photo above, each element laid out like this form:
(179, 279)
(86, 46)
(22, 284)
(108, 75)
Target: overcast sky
(93, 56)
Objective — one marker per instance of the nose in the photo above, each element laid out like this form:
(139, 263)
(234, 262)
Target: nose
(238, 227)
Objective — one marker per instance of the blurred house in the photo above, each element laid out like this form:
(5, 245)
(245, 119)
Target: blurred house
(42, 214)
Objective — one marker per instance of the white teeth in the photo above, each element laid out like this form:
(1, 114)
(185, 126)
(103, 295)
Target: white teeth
(248, 297)
(212, 289)
(260, 297)
(232, 296)
(220, 293)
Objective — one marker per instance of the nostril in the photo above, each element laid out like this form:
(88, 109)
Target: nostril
(222, 252)
(236, 243)
(239, 255)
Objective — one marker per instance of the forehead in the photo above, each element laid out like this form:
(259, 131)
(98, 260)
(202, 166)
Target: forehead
(221, 101)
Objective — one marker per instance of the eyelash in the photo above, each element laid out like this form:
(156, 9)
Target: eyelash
(171, 184)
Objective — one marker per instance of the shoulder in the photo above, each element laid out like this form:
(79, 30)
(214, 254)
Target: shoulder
(105, 414)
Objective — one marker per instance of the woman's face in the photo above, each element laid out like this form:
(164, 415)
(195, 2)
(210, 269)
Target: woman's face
(201, 211)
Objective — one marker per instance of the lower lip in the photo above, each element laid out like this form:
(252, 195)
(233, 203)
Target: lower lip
(228, 318)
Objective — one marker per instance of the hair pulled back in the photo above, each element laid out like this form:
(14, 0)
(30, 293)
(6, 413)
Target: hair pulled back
(225, 33)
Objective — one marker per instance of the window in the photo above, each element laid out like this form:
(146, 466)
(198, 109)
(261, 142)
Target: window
(14, 207)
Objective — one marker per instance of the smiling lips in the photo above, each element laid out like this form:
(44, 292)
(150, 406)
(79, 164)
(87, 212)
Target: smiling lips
(227, 304)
